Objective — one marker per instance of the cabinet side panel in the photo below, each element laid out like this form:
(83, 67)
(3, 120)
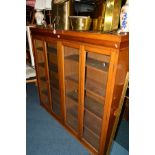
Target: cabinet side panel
(122, 69)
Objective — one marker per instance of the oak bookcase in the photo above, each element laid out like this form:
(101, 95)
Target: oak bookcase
(80, 79)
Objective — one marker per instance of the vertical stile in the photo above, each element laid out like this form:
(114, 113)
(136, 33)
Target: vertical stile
(81, 89)
(118, 113)
(47, 75)
(60, 55)
(108, 101)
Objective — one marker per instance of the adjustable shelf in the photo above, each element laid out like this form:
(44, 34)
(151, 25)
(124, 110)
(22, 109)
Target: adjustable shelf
(55, 101)
(55, 95)
(40, 49)
(92, 121)
(72, 121)
(95, 86)
(52, 50)
(55, 83)
(53, 75)
(90, 104)
(74, 57)
(73, 78)
(52, 59)
(97, 89)
(90, 62)
(53, 67)
(73, 95)
(72, 103)
(91, 137)
(72, 109)
(94, 106)
(56, 107)
(103, 66)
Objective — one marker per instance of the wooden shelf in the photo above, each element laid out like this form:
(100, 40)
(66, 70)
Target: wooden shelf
(52, 50)
(53, 67)
(53, 75)
(92, 122)
(72, 104)
(55, 83)
(104, 66)
(73, 78)
(55, 101)
(89, 103)
(39, 49)
(95, 69)
(94, 106)
(95, 86)
(99, 98)
(52, 58)
(92, 86)
(94, 134)
(72, 121)
(73, 95)
(91, 137)
(72, 109)
(56, 108)
(73, 57)
(55, 95)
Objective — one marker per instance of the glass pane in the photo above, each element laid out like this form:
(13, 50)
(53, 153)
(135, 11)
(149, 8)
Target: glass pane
(40, 58)
(53, 75)
(71, 66)
(96, 72)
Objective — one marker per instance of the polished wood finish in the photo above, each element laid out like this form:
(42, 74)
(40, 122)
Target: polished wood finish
(118, 112)
(91, 70)
(81, 89)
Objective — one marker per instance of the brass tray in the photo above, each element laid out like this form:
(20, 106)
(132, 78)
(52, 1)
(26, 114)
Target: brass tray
(112, 13)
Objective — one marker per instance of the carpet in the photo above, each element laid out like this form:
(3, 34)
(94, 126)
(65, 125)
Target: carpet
(45, 136)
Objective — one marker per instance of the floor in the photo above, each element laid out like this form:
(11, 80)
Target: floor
(45, 136)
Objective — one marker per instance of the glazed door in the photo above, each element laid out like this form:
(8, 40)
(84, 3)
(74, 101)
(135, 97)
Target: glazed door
(96, 74)
(71, 76)
(53, 77)
(42, 73)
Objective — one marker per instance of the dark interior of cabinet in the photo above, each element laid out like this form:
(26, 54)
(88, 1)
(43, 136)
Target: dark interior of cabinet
(42, 78)
(53, 76)
(71, 67)
(96, 72)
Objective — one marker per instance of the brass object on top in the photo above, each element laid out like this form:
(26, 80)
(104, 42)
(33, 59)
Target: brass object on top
(100, 23)
(62, 9)
(108, 19)
(112, 12)
(59, 1)
(103, 8)
(95, 22)
(80, 23)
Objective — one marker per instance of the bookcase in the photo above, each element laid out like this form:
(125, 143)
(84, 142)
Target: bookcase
(80, 80)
